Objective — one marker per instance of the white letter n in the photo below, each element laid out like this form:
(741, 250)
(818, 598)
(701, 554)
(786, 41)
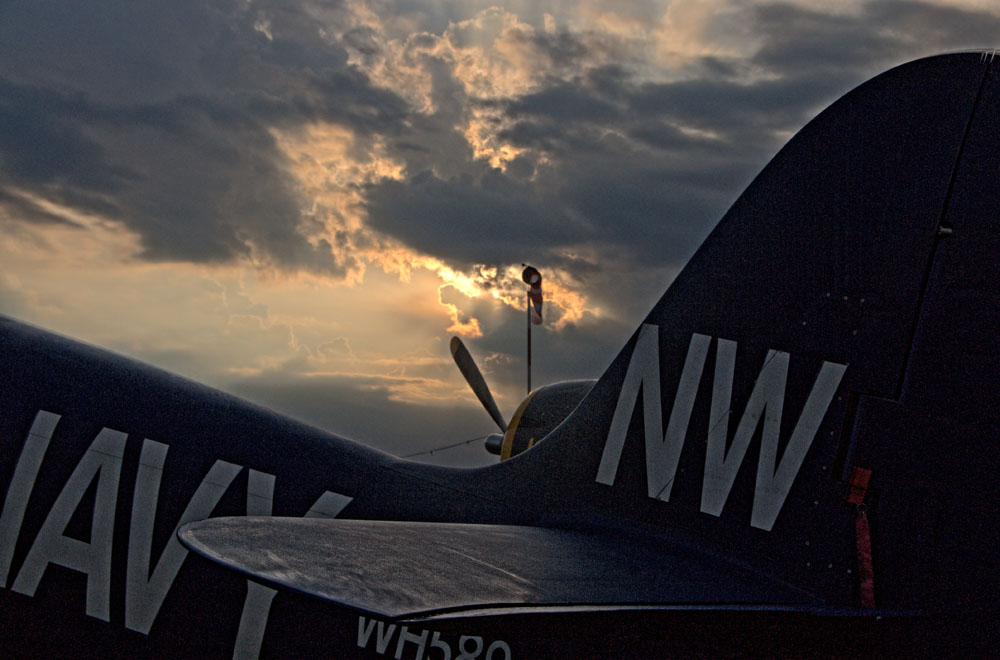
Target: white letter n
(662, 451)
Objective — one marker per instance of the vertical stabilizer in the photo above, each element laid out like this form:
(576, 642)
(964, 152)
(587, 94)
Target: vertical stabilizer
(813, 332)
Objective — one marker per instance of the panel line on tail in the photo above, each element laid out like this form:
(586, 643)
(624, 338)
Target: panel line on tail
(938, 236)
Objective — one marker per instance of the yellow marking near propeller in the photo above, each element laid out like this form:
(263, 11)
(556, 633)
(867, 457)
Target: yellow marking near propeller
(508, 436)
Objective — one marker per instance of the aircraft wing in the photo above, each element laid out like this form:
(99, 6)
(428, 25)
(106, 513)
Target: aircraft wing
(408, 570)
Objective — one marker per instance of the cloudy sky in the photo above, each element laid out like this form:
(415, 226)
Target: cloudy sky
(300, 201)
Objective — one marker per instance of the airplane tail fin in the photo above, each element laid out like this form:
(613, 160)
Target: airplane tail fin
(843, 314)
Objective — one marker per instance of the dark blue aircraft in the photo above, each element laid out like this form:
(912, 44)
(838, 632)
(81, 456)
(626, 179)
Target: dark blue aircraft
(797, 453)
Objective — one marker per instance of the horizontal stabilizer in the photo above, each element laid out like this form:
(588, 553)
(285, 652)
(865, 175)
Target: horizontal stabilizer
(411, 569)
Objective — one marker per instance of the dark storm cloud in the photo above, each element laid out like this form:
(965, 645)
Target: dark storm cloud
(733, 109)
(135, 51)
(562, 48)
(159, 116)
(809, 42)
(641, 171)
(565, 102)
(197, 181)
(619, 177)
(346, 97)
(492, 218)
(42, 141)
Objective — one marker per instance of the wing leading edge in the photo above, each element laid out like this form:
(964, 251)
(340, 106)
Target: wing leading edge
(409, 570)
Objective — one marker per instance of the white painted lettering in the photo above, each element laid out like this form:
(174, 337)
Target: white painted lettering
(103, 460)
(21, 485)
(774, 480)
(662, 452)
(365, 628)
(384, 636)
(436, 643)
(768, 397)
(773, 484)
(253, 621)
(257, 605)
(406, 636)
(329, 505)
(498, 646)
(144, 594)
(470, 647)
(465, 653)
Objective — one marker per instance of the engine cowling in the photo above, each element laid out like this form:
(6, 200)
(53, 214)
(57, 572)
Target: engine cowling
(540, 412)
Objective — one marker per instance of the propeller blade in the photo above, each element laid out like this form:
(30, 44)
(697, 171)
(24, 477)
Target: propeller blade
(476, 381)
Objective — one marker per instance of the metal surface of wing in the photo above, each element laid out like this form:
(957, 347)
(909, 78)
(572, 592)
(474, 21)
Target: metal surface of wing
(412, 569)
